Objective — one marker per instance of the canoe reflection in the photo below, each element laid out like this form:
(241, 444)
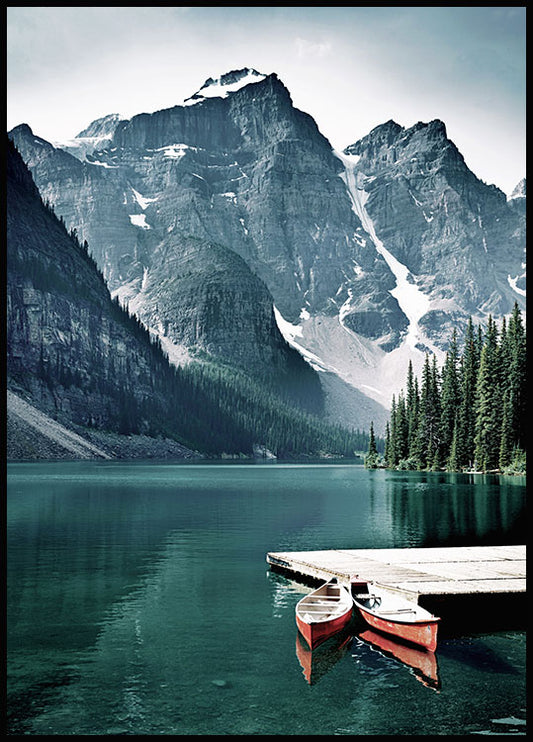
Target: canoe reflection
(422, 663)
(316, 663)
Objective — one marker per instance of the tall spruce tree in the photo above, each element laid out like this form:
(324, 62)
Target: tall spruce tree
(429, 419)
(392, 459)
(402, 430)
(412, 404)
(452, 462)
(386, 453)
(467, 408)
(434, 439)
(515, 387)
(372, 457)
(488, 406)
(506, 439)
(450, 398)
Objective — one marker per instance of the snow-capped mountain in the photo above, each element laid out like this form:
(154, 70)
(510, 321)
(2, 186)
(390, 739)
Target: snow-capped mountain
(229, 219)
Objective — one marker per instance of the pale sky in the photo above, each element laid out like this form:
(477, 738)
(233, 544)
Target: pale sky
(350, 68)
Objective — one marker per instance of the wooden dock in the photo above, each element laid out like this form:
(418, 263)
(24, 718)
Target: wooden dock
(422, 573)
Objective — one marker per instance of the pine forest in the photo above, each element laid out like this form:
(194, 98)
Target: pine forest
(470, 415)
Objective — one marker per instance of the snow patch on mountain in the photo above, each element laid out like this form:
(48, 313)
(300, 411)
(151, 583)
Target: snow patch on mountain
(413, 302)
(178, 355)
(513, 281)
(127, 293)
(174, 151)
(100, 163)
(329, 346)
(142, 200)
(290, 332)
(139, 220)
(222, 86)
(81, 145)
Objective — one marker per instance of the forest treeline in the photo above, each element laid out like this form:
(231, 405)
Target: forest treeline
(229, 412)
(470, 415)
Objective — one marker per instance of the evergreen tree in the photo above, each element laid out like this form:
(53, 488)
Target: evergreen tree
(428, 434)
(488, 407)
(515, 388)
(452, 463)
(392, 459)
(506, 438)
(372, 458)
(412, 404)
(417, 445)
(450, 398)
(386, 454)
(467, 408)
(402, 430)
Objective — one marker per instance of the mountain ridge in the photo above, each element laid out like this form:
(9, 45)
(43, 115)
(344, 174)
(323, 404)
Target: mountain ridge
(336, 238)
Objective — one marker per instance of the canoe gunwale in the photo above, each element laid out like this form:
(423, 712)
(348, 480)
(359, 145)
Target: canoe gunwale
(392, 618)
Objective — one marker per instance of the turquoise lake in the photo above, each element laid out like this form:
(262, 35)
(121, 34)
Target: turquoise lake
(139, 601)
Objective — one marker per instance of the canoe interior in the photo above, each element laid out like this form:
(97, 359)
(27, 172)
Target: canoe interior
(325, 603)
(391, 607)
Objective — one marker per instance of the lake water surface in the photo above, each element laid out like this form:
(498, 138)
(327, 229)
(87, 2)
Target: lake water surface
(140, 602)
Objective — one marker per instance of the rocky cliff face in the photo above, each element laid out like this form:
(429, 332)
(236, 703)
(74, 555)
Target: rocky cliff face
(457, 236)
(70, 348)
(204, 215)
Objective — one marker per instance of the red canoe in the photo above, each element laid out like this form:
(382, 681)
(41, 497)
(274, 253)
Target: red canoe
(324, 612)
(391, 613)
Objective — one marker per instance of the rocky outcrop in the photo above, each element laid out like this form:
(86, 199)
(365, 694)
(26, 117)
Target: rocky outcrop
(457, 235)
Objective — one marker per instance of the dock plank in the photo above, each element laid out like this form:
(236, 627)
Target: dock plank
(427, 571)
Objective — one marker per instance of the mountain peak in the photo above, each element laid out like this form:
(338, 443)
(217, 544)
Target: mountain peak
(24, 133)
(381, 135)
(230, 82)
(436, 129)
(520, 190)
(235, 76)
(23, 130)
(102, 127)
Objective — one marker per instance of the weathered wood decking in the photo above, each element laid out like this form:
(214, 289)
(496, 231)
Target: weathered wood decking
(449, 571)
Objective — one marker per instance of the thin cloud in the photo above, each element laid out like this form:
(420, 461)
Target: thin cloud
(306, 48)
